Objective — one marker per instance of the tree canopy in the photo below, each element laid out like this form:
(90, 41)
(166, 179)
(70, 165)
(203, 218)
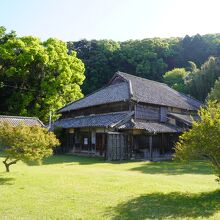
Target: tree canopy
(37, 77)
(26, 143)
(214, 95)
(203, 140)
(203, 79)
(148, 58)
(176, 79)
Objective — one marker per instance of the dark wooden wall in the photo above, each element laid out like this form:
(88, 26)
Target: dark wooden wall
(100, 109)
(162, 144)
(163, 114)
(147, 112)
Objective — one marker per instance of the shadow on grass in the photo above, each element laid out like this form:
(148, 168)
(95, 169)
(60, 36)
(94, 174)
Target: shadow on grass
(59, 159)
(6, 181)
(173, 205)
(174, 168)
(162, 167)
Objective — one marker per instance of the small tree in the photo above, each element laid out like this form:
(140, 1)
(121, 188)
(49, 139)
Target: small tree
(26, 143)
(176, 79)
(203, 140)
(215, 92)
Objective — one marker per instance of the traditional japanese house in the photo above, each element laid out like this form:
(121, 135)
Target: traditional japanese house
(131, 117)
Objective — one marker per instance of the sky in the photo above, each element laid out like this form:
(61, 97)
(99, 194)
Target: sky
(120, 20)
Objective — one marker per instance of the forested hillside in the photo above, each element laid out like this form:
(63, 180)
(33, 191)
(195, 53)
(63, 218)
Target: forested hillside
(148, 58)
(39, 77)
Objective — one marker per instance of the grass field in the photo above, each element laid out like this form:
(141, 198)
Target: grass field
(71, 187)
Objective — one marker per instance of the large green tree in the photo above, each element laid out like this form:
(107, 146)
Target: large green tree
(203, 140)
(37, 77)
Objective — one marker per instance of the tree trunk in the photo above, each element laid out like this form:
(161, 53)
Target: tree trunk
(7, 165)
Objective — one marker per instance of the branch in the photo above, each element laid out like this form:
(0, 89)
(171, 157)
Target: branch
(13, 162)
(5, 161)
(216, 161)
(10, 163)
(213, 160)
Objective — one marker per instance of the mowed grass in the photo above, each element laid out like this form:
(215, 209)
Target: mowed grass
(71, 187)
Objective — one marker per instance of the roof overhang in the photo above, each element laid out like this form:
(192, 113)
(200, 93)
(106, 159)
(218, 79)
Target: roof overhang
(108, 120)
(151, 127)
(187, 119)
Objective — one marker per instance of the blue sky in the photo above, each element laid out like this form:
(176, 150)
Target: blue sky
(110, 19)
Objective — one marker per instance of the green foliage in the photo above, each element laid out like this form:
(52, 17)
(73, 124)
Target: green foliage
(197, 82)
(26, 143)
(148, 58)
(176, 79)
(202, 80)
(100, 58)
(203, 140)
(38, 77)
(145, 58)
(214, 95)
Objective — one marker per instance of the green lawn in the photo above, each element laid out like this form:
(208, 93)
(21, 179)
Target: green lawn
(71, 187)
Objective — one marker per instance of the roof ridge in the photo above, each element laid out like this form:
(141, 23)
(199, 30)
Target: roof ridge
(11, 116)
(104, 87)
(142, 78)
(193, 102)
(160, 83)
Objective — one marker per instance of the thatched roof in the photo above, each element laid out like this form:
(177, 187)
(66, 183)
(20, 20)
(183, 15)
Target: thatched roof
(125, 87)
(16, 120)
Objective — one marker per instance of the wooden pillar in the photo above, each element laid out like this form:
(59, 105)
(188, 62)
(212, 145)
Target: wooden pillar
(80, 140)
(67, 146)
(89, 142)
(162, 143)
(135, 111)
(93, 141)
(151, 147)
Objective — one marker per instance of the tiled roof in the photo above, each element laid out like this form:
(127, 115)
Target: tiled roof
(151, 127)
(112, 119)
(153, 92)
(108, 94)
(100, 120)
(137, 89)
(16, 120)
(186, 118)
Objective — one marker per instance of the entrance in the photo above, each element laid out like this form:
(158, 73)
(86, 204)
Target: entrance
(86, 141)
(101, 143)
